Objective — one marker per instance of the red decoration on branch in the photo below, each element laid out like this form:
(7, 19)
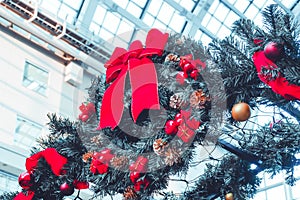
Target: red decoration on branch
(86, 111)
(189, 67)
(28, 196)
(186, 130)
(142, 75)
(25, 180)
(80, 185)
(141, 184)
(279, 84)
(100, 161)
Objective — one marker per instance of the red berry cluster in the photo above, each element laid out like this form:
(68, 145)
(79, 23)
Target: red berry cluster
(86, 111)
(137, 168)
(100, 161)
(188, 70)
(171, 126)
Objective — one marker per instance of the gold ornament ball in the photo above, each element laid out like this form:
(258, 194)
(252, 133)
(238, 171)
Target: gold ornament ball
(241, 112)
(229, 196)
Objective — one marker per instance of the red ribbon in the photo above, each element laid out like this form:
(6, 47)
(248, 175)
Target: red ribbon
(186, 130)
(142, 75)
(279, 85)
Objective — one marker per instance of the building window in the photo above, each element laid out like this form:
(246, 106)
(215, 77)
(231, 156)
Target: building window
(35, 78)
(26, 133)
(8, 183)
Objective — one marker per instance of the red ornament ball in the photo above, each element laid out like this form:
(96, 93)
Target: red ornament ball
(25, 180)
(134, 176)
(241, 112)
(229, 196)
(171, 127)
(66, 189)
(194, 74)
(274, 51)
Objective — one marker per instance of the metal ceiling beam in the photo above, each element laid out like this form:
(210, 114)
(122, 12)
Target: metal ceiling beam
(234, 9)
(124, 13)
(192, 18)
(63, 46)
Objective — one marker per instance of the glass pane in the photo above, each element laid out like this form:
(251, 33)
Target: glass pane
(213, 25)
(259, 3)
(141, 3)
(75, 4)
(35, 78)
(276, 193)
(221, 12)
(205, 20)
(213, 7)
(51, 6)
(241, 5)
(121, 3)
(188, 4)
(251, 12)
(159, 25)
(260, 196)
(99, 15)
(231, 17)
(125, 31)
(165, 14)
(177, 22)
(111, 22)
(223, 32)
(106, 35)
(133, 9)
(148, 19)
(154, 7)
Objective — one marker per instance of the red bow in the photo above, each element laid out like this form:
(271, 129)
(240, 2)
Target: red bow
(143, 79)
(279, 84)
(52, 157)
(186, 129)
(101, 161)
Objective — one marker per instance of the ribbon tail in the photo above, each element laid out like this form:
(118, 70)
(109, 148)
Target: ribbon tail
(112, 103)
(282, 87)
(143, 79)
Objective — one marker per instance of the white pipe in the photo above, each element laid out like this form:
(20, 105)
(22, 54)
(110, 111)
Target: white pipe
(63, 46)
(35, 13)
(63, 30)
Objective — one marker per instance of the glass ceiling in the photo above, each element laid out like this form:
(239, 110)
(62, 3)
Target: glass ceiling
(116, 21)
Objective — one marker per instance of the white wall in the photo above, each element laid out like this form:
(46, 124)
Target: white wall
(15, 99)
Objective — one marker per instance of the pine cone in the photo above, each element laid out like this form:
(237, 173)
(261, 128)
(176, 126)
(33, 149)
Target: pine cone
(130, 194)
(120, 163)
(172, 156)
(198, 99)
(97, 140)
(172, 57)
(87, 156)
(159, 146)
(176, 101)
